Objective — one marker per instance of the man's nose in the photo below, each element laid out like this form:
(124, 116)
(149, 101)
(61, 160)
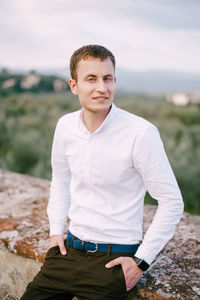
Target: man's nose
(101, 87)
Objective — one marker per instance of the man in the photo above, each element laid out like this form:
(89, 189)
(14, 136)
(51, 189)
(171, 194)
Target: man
(104, 159)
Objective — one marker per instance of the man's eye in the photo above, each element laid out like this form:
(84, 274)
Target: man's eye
(108, 79)
(91, 79)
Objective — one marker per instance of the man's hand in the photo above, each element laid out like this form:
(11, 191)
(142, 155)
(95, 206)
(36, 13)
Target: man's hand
(58, 240)
(132, 273)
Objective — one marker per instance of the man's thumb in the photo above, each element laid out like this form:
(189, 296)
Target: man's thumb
(113, 263)
(62, 248)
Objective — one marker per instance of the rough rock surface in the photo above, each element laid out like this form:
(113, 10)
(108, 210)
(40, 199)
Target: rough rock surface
(24, 232)
(15, 272)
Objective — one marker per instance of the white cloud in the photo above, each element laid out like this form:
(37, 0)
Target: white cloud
(40, 34)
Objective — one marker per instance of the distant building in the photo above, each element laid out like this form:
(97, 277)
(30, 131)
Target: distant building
(181, 99)
(8, 83)
(59, 85)
(30, 80)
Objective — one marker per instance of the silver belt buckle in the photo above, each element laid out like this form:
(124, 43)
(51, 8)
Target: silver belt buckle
(93, 251)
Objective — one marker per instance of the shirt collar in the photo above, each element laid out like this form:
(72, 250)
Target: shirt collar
(104, 124)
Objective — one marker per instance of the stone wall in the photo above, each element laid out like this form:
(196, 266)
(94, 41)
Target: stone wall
(24, 241)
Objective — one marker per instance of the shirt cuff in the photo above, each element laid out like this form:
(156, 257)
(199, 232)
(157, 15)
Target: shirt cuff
(145, 254)
(57, 229)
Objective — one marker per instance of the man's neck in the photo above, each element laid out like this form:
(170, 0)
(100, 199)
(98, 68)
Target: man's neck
(93, 120)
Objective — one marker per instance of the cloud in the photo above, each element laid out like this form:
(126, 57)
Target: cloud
(171, 14)
(142, 34)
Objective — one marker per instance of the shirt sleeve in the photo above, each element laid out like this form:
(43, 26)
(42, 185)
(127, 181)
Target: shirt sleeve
(150, 160)
(59, 200)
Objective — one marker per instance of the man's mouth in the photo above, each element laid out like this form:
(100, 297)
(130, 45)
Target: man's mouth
(101, 99)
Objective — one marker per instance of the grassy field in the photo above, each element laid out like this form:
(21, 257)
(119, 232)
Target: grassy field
(27, 124)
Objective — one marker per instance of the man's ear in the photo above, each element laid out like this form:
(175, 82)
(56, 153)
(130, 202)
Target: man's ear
(73, 86)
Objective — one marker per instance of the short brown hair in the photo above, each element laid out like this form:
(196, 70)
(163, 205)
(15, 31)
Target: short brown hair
(94, 51)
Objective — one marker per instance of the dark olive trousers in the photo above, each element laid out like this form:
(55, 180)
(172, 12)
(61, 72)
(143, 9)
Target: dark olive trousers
(78, 273)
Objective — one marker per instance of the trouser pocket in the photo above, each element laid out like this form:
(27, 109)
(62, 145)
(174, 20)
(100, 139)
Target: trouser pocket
(118, 278)
(52, 251)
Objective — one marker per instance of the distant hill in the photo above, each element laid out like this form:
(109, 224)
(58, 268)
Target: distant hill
(148, 81)
(19, 81)
(158, 81)
(151, 81)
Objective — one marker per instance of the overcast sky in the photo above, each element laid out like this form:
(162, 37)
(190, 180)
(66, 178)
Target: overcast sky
(142, 34)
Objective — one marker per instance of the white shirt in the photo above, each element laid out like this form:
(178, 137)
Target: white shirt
(99, 181)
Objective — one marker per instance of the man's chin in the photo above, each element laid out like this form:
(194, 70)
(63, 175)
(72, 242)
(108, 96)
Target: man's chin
(100, 107)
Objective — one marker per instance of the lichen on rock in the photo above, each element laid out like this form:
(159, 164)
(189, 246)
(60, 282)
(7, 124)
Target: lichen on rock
(24, 237)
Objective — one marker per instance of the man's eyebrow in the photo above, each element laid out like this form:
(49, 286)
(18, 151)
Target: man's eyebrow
(90, 75)
(108, 75)
(111, 75)
(93, 75)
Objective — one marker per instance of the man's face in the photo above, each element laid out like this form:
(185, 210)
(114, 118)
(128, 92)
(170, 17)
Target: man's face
(95, 85)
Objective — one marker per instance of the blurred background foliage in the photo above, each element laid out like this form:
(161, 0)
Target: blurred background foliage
(28, 120)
